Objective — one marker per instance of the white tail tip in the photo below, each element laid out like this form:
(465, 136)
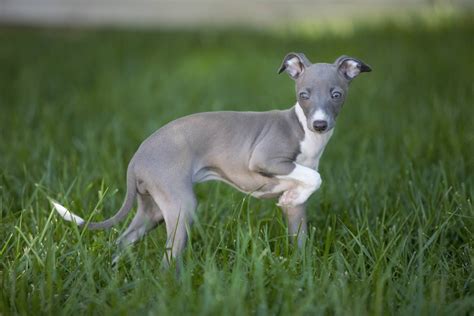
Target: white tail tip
(66, 214)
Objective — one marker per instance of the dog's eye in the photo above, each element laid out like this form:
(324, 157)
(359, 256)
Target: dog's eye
(304, 95)
(336, 95)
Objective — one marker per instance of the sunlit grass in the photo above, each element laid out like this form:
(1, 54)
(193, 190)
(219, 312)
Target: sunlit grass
(345, 24)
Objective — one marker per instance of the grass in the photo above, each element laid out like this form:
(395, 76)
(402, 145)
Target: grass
(391, 229)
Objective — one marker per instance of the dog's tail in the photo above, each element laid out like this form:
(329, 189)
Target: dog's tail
(124, 210)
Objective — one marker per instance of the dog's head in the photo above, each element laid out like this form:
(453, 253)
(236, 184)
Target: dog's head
(321, 88)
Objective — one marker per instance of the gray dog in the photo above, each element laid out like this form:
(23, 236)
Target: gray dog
(265, 154)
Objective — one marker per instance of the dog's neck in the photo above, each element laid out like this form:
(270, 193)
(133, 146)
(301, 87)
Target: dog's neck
(313, 144)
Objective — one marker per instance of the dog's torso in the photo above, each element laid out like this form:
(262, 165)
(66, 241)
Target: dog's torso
(221, 146)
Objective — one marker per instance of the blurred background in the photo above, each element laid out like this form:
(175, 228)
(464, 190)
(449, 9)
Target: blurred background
(205, 12)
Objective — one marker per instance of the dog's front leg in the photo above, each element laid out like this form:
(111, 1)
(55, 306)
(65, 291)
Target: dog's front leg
(297, 226)
(303, 182)
(299, 182)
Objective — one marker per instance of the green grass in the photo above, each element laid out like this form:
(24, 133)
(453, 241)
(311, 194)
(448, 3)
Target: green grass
(391, 229)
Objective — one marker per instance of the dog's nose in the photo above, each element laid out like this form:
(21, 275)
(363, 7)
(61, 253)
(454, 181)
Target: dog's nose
(320, 126)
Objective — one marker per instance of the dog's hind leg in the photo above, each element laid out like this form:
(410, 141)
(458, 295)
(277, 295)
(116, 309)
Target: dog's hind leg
(147, 217)
(178, 204)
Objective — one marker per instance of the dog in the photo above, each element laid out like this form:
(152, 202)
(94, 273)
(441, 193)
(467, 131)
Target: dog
(266, 154)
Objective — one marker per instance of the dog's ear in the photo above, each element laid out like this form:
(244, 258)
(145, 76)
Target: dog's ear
(351, 67)
(294, 64)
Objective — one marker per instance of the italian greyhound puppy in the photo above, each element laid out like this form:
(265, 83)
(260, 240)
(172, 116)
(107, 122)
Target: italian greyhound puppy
(265, 154)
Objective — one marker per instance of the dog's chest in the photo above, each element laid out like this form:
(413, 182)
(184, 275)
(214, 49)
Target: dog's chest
(311, 148)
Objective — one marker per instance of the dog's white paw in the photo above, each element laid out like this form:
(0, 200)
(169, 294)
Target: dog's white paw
(288, 198)
(295, 197)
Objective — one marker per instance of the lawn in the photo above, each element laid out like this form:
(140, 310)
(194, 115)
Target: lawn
(391, 229)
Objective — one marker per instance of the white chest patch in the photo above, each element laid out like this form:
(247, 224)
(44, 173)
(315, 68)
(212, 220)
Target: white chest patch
(312, 145)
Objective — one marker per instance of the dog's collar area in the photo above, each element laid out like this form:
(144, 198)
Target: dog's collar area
(301, 117)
